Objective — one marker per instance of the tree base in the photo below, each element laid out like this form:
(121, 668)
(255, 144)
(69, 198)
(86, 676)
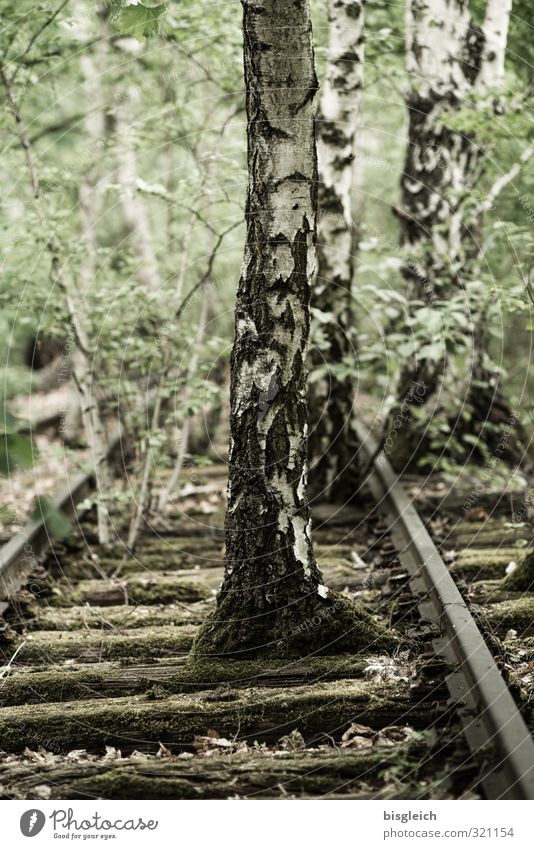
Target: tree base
(320, 626)
(521, 580)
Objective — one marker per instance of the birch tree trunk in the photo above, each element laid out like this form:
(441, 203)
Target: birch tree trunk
(134, 209)
(449, 59)
(272, 599)
(269, 558)
(333, 444)
(82, 364)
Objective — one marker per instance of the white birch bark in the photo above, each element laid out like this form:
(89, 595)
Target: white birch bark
(269, 560)
(495, 30)
(450, 61)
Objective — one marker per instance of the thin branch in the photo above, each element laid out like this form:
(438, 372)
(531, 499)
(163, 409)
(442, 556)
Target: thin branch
(207, 273)
(233, 113)
(503, 181)
(209, 77)
(199, 217)
(30, 63)
(36, 35)
(21, 132)
(68, 123)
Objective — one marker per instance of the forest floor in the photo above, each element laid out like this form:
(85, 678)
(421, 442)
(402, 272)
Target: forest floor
(98, 697)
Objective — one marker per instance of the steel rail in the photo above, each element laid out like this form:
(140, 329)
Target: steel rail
(19, 556)
(494, 729)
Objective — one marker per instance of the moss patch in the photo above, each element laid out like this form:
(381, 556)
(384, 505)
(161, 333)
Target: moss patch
(120, 616)
(170, 561)
(490, 592)
(134, 721)
(176, 675)
(320, 626)
(141, 644)
(139, 589)
(247, 774)
(517, 614)
(483, 562)
(522, 578)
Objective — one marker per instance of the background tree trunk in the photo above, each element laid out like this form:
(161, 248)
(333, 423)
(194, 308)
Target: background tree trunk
(333, 444)
(449, 59)
(134, 209)
(78, 308)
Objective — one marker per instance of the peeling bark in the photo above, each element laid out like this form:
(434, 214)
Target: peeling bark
(333, 444)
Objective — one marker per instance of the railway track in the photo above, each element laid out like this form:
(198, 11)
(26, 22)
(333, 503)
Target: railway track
(98, 698)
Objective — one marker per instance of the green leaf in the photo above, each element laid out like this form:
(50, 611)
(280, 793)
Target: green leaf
(56, 523)
(16, 452)
(406, 349)
(7, 514)
(471, 439)
(432, 352)
(8, 422)
(141, 20)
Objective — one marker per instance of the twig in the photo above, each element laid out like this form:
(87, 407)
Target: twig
(503, 181)
(207, 273)
(35, 36)
(6, 669)
(21, 131)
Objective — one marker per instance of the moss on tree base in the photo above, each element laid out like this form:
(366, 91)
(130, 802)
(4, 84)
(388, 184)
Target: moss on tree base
(331, 625)
(516, 613)
(521, 579)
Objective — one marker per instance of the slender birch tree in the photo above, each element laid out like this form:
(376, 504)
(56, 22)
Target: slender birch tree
(333, 445)
(134, 210)
(272, 586)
